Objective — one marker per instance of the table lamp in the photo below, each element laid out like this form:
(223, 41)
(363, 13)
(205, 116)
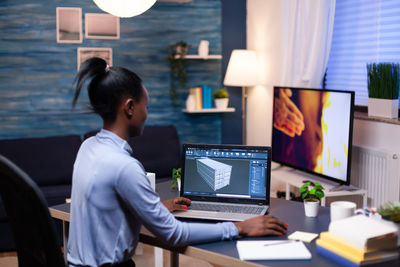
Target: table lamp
(243, 71)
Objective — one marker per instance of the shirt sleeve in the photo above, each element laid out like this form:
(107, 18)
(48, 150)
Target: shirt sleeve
(135, 190)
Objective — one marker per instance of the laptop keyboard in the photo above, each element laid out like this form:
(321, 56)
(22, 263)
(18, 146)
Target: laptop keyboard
(226, 208)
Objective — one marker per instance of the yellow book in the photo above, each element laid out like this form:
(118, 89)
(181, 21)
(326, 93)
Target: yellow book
(339, 242)
(350, 255)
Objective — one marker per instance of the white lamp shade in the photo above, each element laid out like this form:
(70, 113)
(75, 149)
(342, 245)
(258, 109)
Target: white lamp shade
(243, 69)
(124, 8)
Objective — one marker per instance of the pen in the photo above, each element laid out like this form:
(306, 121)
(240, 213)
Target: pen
(281, 242)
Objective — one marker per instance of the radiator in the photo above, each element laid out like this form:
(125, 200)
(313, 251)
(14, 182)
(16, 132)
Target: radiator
(378, 172)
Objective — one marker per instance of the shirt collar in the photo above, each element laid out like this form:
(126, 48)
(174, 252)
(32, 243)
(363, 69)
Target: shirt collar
(105, 135)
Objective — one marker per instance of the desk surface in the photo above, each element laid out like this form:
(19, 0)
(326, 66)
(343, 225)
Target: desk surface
(224, 252)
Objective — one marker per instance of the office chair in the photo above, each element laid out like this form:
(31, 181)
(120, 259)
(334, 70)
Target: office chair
(33, 229)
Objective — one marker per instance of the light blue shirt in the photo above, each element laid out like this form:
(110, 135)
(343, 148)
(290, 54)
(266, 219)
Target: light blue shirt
(111, 200)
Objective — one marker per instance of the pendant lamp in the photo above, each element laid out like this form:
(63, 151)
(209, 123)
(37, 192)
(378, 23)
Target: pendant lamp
(124, 8)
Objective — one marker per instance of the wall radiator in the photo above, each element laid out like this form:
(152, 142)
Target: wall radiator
(378, 172)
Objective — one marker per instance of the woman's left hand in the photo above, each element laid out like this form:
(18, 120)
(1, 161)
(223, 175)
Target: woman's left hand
(178, 203)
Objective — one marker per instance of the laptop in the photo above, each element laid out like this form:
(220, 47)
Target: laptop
(225, 182)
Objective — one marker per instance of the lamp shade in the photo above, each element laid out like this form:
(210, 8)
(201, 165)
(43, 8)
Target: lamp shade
(243, 69)
(124, 8)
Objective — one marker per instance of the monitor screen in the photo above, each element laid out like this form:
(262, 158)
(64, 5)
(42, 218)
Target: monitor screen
(312, 131)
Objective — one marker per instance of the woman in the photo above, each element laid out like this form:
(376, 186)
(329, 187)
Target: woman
(111, 196)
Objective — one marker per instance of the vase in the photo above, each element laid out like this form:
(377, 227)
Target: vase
(190, 103)
(221, 103)
(386, 108)
(311, 208)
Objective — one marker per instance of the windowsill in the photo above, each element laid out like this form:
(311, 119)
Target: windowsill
(364, 116)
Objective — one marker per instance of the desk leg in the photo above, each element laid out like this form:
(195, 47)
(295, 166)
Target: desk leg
(158, 257)
(365, 200)
(174, 259)
(323, 201)
(65, 239)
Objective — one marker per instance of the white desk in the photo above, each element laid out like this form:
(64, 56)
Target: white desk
(295, 178)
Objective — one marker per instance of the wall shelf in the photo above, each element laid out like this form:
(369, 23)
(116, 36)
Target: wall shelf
(201, 57)
(209, 110)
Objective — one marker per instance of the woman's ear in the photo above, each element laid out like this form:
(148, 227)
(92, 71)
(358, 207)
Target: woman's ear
(128, 107)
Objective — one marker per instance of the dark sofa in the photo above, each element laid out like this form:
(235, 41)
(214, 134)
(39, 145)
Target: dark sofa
(49, 162)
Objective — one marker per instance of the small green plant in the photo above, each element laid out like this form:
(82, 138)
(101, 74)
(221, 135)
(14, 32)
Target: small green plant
(390, 211)
(221, 93)
(383, 80)
(312, 191)
(176, 175)
(177, 63)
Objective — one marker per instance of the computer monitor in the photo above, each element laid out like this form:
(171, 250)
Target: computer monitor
(312, 131)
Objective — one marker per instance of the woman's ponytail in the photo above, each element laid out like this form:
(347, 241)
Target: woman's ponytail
(89, 69)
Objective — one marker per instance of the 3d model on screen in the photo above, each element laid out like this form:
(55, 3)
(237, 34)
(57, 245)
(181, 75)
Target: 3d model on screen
(215, 173)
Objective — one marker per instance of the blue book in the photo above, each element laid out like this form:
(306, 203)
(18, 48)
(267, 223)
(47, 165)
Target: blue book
(335, 257)
(204, 96)
(209, 97)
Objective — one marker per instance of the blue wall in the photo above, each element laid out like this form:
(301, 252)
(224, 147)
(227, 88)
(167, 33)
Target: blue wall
(37, 72)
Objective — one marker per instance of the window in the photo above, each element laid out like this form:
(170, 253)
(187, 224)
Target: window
(364, 31)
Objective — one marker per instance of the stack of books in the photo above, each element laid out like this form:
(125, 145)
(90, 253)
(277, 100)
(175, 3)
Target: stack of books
(359, 240)
(202, 96)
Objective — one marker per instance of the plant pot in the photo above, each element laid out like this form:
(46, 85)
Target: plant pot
(311, 208)
(221, 103)
(386, 108)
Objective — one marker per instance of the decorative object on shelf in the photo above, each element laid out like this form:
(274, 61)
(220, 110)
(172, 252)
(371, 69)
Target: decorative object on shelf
(190, 103)
(203, 48)
(311, 193)
(176, 178)
(383, 89)
(221, 98)
(124, 8)
(177, 63)
(243, 71)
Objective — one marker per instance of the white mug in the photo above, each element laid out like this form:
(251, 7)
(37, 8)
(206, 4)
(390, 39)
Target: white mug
(342, 209)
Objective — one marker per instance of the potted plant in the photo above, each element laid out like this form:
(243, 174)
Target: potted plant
(176, 178)
(391, 211)
(311, 193)
(177, 63)
(383, 89)
(221, 98)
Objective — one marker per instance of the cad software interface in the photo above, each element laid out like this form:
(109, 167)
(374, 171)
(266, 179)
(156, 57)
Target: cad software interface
(222, 172)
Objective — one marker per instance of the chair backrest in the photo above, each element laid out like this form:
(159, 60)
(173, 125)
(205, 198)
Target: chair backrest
(33, 229)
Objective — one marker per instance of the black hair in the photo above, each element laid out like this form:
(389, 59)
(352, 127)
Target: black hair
(107, 86)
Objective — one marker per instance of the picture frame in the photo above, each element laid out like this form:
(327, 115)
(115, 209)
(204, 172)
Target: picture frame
(84, 53)
(69, 24)
(101, 26)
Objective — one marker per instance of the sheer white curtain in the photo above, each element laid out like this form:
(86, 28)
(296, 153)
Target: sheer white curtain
(292, 39)
(307, 27)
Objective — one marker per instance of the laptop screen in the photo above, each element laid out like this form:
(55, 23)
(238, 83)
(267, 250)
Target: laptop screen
(229, 172)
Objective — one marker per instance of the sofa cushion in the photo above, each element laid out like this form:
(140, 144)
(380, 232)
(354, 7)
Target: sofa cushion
(47, 160)
(158, 149)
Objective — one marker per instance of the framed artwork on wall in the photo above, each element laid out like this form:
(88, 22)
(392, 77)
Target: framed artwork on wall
(85, 53)
(69, 24)
(101, 26)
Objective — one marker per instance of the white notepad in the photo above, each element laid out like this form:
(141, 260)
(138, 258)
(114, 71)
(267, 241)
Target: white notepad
(272, 250)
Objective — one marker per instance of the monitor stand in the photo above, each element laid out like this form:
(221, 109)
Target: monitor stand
(342, 187)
